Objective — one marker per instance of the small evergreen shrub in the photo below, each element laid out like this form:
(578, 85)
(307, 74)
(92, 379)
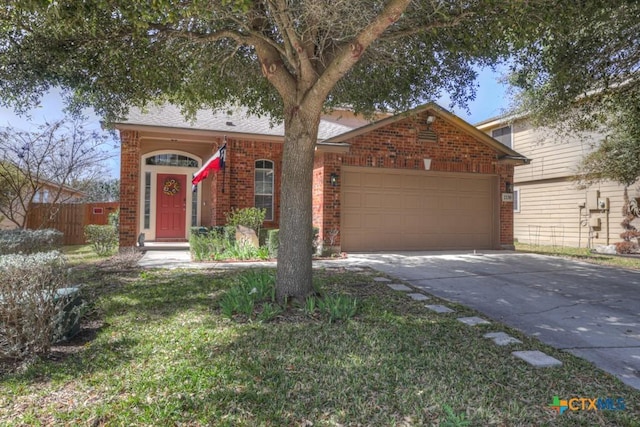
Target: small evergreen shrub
(114, 219)
(243, 251)
(248, 217)
(217, 244)
(29, 241)
(316, 244)
(273, 243)
(36, 308)
(103, 238)
(206, 245)
(263, 237)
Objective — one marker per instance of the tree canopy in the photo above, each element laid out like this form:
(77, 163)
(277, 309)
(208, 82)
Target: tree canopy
(287, 58)
(584, 74)
(115, 54)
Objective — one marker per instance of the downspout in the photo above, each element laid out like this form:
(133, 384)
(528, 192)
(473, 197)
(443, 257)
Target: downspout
(580, 207)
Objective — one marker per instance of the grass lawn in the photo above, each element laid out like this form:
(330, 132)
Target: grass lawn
(583, 254)
(156, 350)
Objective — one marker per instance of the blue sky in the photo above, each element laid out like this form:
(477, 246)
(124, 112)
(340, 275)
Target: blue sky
(491, 100)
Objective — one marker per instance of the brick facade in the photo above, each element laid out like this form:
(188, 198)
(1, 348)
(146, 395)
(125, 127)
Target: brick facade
(239, 179)
(129, 187)
(397, 145)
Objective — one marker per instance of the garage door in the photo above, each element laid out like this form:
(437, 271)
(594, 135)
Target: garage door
(396, 209)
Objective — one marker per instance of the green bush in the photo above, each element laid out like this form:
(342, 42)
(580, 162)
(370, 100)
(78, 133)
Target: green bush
(263, 236)
(273, 243)
(208, 244)
(114, 218)
(248, 217)
(244, 251)
(315, 240)
(36, 307)
(218, 243)
(29, 241)
(102, 238)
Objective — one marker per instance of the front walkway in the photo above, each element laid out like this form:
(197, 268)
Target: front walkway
(173, 259)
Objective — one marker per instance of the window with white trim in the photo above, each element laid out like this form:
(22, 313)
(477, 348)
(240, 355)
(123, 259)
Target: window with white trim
(516, 199)
(41, 196)
(264, 187)
(147, 200)
(503, 135)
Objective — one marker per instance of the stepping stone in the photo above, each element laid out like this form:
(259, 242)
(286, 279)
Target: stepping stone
(473, 321)
(399, 287)
(381, 279)
(439, 308)
(537, 358)
(418, 297)
(354, 269)
(502, 338)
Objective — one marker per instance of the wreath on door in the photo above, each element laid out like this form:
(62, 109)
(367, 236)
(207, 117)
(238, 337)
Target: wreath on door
(171, 187)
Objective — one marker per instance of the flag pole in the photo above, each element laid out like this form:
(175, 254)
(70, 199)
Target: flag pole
(224, 165)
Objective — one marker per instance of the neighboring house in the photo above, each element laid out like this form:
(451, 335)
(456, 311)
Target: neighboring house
(420, 180)
(46, 193)
(549, 208)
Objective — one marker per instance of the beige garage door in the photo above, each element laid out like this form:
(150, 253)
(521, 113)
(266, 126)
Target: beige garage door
(394, 209)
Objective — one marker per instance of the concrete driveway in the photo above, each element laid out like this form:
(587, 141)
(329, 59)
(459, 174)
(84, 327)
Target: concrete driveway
(590, 311)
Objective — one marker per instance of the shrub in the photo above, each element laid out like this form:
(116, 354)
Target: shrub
(208, 244)
(626, 247)
(241, 251)
(263, 236)
(217, 243)
(29, 241)
(114, 219)
(273, 242)
(316, 244)
(103, 238)
(248, 217)
(35, 306)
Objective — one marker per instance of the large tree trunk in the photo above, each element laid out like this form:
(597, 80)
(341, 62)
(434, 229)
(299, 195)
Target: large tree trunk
(294, 270)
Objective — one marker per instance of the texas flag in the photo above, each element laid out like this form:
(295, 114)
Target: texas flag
(215, 163)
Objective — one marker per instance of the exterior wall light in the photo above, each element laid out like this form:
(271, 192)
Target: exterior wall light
(333, 179)
(508, 187)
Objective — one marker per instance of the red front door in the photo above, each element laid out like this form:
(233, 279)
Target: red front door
(171, 207)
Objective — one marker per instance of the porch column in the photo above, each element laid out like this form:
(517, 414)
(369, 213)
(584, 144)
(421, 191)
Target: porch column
(326, 199)
(505, 173)
(129, 188)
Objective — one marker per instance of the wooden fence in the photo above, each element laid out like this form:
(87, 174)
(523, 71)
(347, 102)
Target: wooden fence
(70, 218)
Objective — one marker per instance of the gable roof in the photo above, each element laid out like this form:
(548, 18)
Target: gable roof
(230, 120)
(506, 152)
(332, 133)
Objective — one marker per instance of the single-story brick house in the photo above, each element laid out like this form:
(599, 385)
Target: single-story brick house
(421, 180)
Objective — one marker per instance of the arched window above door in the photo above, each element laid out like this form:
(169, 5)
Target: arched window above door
(172, 159)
